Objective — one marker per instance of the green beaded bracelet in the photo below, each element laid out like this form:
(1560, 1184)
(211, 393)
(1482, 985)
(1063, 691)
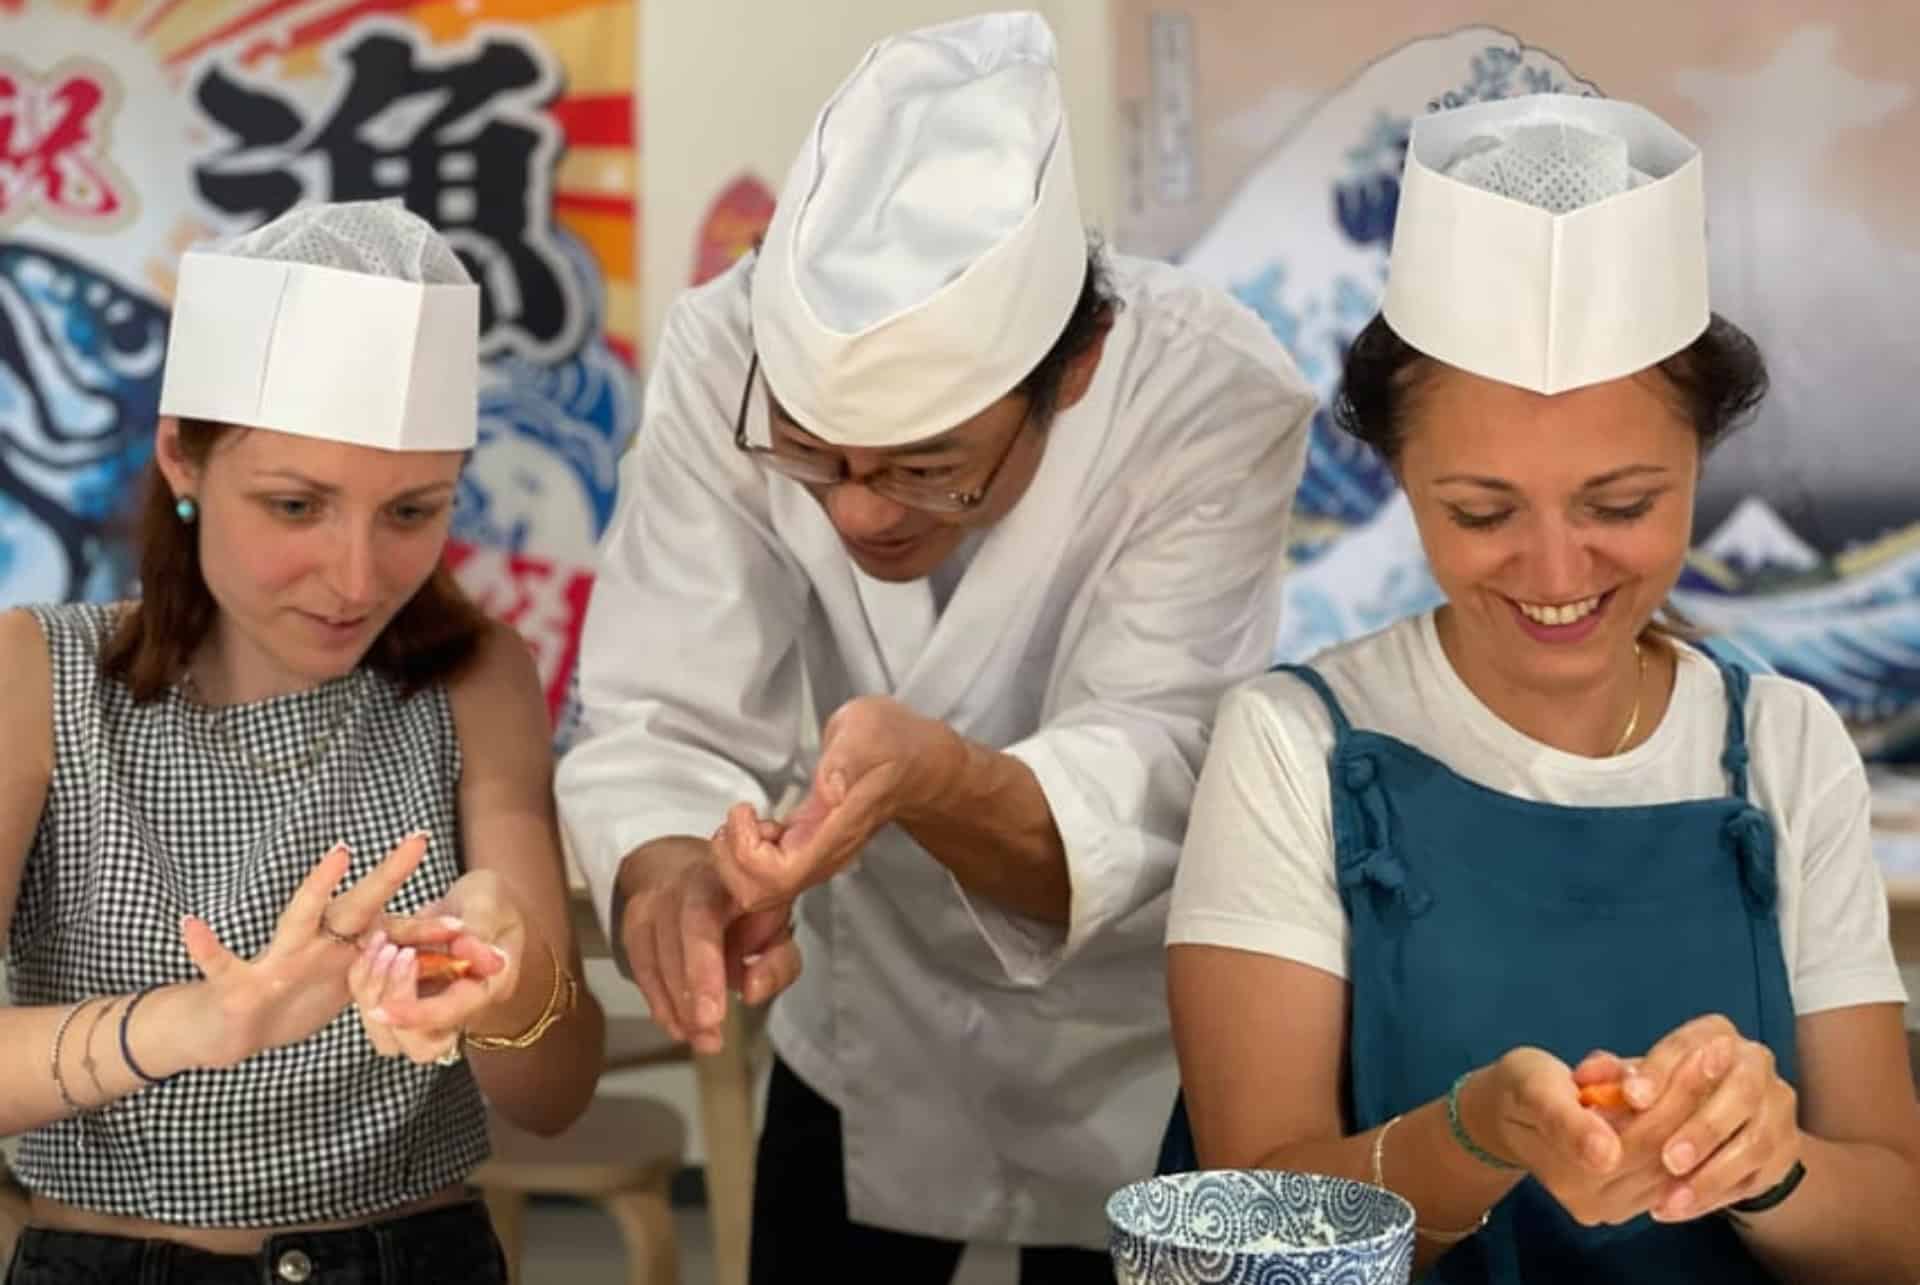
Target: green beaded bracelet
(1459, 1130)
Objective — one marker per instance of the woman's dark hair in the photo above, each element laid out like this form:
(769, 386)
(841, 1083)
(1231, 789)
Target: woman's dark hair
(427, 641)
(1718, 380)
(1092, 312)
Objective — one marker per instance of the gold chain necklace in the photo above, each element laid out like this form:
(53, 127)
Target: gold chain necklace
(259, 763)
(1639, 685)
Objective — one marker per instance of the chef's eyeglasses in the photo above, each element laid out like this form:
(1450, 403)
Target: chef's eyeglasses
(916, 488)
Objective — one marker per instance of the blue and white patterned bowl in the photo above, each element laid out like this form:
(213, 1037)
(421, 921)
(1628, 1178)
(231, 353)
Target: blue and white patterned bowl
(1246, 1227)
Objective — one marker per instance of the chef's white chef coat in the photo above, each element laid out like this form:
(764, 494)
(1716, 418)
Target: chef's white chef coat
(998, 1077)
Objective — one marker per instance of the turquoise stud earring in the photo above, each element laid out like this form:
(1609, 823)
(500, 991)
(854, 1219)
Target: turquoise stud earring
(185, 509)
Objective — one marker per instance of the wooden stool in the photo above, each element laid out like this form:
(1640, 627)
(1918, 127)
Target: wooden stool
(621, 1155)
(726, 1122)
(726, 1097)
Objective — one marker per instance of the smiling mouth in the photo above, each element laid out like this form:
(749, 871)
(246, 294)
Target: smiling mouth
(885, 547)
(1561, 614)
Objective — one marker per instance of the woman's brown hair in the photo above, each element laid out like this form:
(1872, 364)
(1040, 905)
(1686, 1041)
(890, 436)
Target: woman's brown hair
(427, 642)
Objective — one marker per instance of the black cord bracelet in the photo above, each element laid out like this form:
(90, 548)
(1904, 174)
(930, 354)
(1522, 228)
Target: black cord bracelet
(1771, 1196)
(126, 1050)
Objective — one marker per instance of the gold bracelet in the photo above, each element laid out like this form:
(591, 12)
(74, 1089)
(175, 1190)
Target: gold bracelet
(566, 993)
(1379, 1180)
(87, 1063)
(59, 1041)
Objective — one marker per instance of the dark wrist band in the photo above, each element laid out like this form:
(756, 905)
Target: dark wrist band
(1771, 1196)
(126, 1050)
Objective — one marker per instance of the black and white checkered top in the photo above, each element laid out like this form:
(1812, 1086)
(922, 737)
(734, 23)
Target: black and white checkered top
(169, 808)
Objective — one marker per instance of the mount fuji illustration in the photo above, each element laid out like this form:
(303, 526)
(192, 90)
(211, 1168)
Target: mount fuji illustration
(1754, 539)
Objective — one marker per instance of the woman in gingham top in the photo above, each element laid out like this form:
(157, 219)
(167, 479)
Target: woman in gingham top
(223, 1054)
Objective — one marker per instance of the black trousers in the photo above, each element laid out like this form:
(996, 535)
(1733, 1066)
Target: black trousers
(450, 1246)
(801, 1232)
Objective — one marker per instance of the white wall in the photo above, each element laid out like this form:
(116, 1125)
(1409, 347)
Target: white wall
(732, 85)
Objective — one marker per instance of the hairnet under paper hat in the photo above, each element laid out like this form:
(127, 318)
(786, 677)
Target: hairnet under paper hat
(928, 248)
(352, 322)
(1550, 241)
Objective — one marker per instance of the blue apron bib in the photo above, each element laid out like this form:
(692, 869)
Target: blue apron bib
(1481, 922)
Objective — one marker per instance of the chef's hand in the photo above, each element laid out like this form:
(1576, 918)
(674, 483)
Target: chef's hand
(1710, 1111)
(1526, 1109)
(688, 941)
(879, 761)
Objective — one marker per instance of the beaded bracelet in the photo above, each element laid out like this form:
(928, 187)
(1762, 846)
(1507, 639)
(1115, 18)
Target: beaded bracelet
(1459, 1130)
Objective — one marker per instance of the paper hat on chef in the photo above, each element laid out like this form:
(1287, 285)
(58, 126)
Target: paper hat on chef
(1549, 242)
(353, 322)
(928, 248)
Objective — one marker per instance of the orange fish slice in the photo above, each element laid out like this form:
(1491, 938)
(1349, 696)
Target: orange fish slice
(1610, 1094)
(437, 966)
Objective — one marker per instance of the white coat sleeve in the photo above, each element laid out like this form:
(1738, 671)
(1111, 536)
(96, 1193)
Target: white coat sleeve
(689, 672)
(1188, 606)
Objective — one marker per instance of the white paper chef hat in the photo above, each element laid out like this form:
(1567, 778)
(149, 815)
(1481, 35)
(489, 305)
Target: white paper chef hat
(928, 248)
(1550, 241)
(353, 322)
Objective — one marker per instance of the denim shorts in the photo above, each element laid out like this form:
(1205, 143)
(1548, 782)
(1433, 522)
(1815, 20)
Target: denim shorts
(454, 1245)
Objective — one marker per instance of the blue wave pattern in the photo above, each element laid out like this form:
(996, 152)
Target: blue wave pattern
(80, 365)
(1246, 1227)
(1855, 637)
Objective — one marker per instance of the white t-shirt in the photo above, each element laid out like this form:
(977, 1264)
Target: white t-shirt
(1257, 869)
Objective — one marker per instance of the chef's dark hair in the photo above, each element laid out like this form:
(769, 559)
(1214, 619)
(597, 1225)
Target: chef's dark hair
(1719, 380)
(429, 640)
(1092, 312)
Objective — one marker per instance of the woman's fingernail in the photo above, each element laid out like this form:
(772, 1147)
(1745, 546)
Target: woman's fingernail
(710, 1012)
(453, 923)
(1719, 1058)
(1639, 1090)
(1680, 1203)
(504, 957)
(1680, 1158)
(418, 834)
(388, 953)
(379, 1015)
(341, 845)
(406, 960)
(1596, 1147)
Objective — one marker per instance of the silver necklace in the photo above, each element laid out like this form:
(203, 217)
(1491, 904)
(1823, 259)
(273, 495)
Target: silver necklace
(259, 763)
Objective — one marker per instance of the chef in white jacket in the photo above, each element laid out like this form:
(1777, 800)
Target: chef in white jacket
(957, 529)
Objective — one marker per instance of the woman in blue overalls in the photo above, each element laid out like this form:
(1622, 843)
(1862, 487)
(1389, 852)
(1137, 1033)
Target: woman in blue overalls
(1454, 872)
